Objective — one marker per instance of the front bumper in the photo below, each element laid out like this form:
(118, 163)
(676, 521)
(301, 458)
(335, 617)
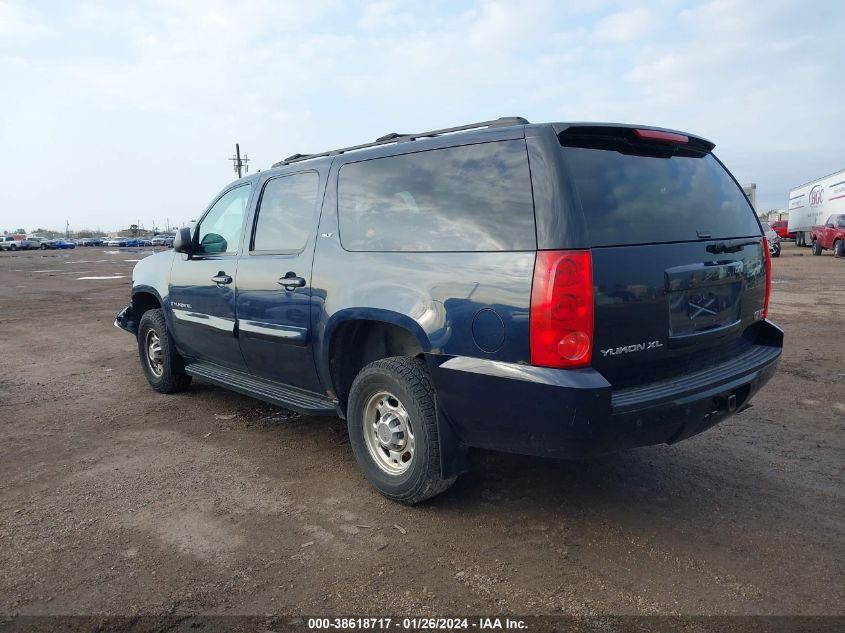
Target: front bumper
(574, 413)
(127, 321)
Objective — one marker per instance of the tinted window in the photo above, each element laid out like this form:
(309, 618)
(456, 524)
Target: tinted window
(286, 213)
(641, 199)
(471, 198)
(220, 229)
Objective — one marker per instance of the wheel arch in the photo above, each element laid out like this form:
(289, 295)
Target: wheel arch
(356, 338)
(145, 298)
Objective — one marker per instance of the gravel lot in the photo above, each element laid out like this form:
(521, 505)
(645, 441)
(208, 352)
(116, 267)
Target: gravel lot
(115, 499)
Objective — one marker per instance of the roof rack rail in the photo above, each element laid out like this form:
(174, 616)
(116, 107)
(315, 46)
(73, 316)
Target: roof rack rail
(395, 137)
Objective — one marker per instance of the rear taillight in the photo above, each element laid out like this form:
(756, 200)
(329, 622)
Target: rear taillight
(561, 321)
(660, 135)
(768, 256)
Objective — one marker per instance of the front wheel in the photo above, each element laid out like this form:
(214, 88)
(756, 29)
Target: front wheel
(392, 422)
(43, 247)
(839, 248)
(13, 247)
(776, 250)
(162, 364)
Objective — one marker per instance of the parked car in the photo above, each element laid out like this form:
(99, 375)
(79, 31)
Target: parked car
(830, 236)
(161, 240)
(90, 241)
(439, 294)
(134, 242)
(9, 243)
(773, 238)
(65, 244)
(115, 241)
(39, 241)
(780, 227)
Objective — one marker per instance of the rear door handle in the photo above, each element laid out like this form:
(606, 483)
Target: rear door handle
(291, 281)
(221, 278)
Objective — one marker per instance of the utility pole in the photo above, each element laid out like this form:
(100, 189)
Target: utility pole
(67, 228)
(240, 163)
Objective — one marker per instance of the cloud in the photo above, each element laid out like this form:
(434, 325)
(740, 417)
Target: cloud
(154, 95)
(625, 26)
(17, 21)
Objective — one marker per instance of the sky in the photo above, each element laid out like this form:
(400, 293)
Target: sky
(114, 113)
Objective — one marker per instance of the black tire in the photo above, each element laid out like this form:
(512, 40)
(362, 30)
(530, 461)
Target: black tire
(817, 249)
(43, 247)
(13, 247)
(839, 248)
(407, 379)
(168, 374)
(776, 252)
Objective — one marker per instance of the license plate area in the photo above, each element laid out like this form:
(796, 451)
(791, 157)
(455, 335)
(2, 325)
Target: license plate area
(703, 298)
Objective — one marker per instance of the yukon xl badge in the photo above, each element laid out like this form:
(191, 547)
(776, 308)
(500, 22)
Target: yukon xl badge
(627, 349)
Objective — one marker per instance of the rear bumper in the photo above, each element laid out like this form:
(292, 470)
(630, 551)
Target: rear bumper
(566, 413)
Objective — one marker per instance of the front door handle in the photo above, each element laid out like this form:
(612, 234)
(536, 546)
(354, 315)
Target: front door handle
(291, 281)
(221, 278)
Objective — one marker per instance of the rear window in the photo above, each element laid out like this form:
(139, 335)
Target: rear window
(469, 198)
(659, 196)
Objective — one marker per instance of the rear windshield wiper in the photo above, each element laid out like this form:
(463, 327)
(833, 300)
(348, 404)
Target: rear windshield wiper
(722, 247)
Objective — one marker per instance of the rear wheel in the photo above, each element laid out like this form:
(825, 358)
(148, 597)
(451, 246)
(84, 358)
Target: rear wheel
(817, 249)
(392, 424)
(839, 248)
(162, 364)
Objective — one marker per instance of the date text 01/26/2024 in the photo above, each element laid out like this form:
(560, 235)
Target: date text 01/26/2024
(415, 624)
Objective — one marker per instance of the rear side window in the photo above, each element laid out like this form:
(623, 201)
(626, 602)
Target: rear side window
(470, 198)
(631, 198)
(286, 213)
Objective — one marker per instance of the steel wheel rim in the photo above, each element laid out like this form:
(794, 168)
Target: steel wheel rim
(155, 358)
(388, 433)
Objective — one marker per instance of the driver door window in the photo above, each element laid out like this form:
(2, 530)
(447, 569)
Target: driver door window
(220, 230)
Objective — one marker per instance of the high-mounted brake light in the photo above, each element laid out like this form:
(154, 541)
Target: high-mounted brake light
(659, 135)
(561, 321)
(768, 257)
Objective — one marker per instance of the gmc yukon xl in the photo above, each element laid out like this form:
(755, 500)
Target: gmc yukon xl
(560, 289)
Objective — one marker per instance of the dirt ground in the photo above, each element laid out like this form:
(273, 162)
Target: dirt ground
(115, 499)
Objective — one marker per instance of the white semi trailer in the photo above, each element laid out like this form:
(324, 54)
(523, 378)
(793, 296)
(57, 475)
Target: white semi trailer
(812, 203)
(751, 193)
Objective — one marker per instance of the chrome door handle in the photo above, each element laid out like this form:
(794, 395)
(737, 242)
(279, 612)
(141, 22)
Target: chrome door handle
(221, 278)
(291, 281)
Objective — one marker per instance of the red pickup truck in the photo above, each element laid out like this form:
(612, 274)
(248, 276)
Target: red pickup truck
(830, 236)
(779, 227)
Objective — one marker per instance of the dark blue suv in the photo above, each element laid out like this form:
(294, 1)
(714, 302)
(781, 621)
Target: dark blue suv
(560, 289)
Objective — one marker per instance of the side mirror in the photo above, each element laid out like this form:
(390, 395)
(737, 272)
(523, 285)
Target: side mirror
(182, 241)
